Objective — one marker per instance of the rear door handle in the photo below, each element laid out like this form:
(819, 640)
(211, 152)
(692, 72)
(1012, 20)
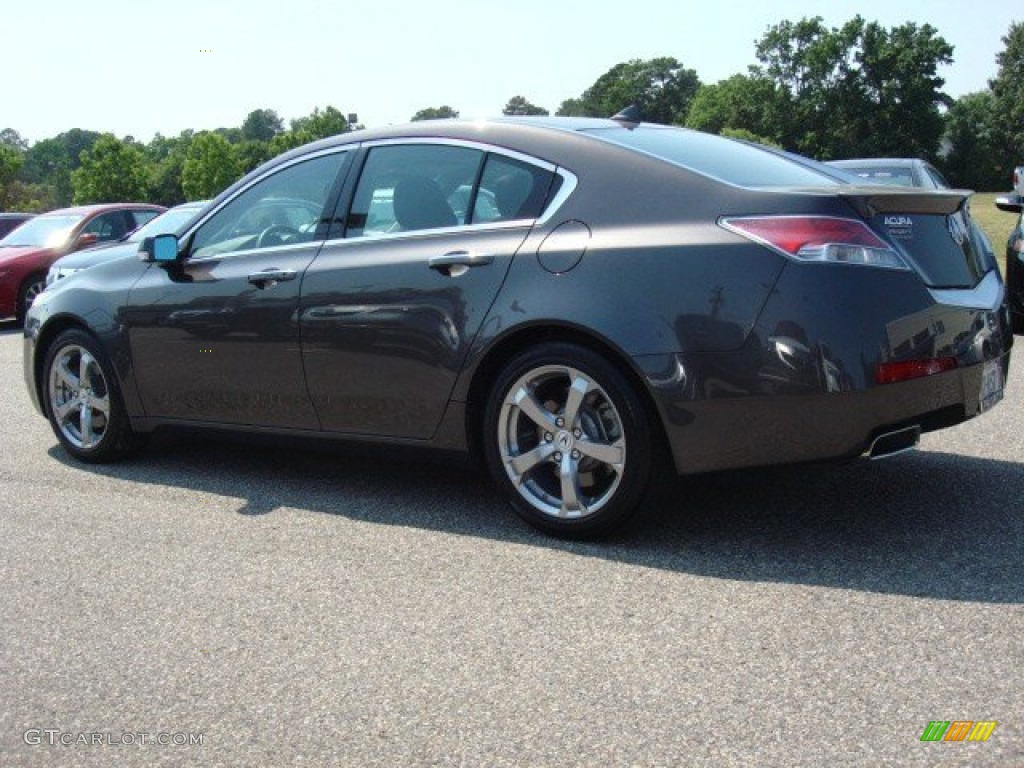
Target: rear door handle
(455, 263)
(272, 276)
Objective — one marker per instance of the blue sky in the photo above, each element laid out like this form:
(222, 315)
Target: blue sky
(138, 68)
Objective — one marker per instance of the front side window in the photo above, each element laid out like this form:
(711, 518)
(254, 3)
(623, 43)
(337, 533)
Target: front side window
(405, 188)
(110, 226)
(281, 209)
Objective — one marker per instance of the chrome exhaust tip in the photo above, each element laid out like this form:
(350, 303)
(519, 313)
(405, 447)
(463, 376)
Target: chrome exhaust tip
(891, 443)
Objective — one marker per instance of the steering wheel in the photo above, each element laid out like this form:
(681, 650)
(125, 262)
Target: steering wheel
(278, 234)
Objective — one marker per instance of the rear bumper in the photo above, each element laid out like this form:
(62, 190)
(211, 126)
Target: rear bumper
(803, 386)
(732, 432)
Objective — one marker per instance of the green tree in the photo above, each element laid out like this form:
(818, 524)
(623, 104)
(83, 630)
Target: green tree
(572, 108)
(320, 125)
(519, 105)
(166, 158)
(11, 138)
(661, 88)
(288, 140)
(973, 160)
(210, 166)
(435, 113)
(740, 103)
(261, 125)
(858, 89)
(1008, 103)
(252, 154)
(49, 163)
(11, 161)
(111, 171)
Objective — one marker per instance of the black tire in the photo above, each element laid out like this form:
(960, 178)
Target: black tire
(586, 458)
(90, 422)
(32, 287)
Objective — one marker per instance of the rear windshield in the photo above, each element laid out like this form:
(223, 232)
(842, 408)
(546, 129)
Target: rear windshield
(734, 162)
(894, 176)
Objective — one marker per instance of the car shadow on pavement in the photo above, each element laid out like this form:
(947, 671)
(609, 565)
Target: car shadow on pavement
(925, 524)
(9, 328)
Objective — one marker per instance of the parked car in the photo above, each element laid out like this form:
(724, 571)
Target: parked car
(170, 220)
(27, 252)
(9, 221)
(897, 171)
(628, 300)
(1018, 180)
(1014, 261)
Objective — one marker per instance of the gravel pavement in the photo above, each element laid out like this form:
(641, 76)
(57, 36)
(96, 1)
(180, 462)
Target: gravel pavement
(290, 607)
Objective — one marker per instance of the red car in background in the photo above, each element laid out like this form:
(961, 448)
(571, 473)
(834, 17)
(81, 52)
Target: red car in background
(27, 252)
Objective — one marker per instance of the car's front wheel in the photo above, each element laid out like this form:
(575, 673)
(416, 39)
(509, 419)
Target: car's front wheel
(83, 401)
(567, 437)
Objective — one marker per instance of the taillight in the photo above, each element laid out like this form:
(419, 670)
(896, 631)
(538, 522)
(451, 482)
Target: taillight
(818, 238)
(890, 373)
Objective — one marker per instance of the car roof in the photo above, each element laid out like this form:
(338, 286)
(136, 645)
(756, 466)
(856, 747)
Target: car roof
(86, 210)
(457, 129)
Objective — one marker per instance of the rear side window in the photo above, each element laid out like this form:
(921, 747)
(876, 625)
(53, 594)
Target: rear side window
(144, 216)
(731, 161)
(511, 189)
(413, 187)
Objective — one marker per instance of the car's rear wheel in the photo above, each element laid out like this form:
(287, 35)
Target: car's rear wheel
(32, 287)
(567, 437)
(83, 401)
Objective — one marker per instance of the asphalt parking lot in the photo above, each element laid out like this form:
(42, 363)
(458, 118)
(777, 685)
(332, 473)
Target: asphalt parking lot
(290, 607)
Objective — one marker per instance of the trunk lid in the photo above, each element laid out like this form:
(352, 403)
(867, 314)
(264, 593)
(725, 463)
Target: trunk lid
(932, 229)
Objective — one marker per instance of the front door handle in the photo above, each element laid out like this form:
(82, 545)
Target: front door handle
(270, 277)
(455, 263)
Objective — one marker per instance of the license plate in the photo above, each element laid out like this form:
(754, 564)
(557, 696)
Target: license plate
(991, 385)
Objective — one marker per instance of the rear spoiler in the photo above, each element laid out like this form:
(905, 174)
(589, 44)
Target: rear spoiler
(869, 201)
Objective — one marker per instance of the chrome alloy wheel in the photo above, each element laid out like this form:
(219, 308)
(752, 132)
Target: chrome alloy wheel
(79, 397)
(561, 441)
(32, 290)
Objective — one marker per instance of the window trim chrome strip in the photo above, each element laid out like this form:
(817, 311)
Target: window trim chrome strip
(311, 244)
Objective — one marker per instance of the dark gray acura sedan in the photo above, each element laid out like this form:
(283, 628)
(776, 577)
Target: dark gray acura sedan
(585, 304)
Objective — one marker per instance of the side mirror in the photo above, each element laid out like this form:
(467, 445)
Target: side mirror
(85, 240)
(162, 249)
(1009, 203)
